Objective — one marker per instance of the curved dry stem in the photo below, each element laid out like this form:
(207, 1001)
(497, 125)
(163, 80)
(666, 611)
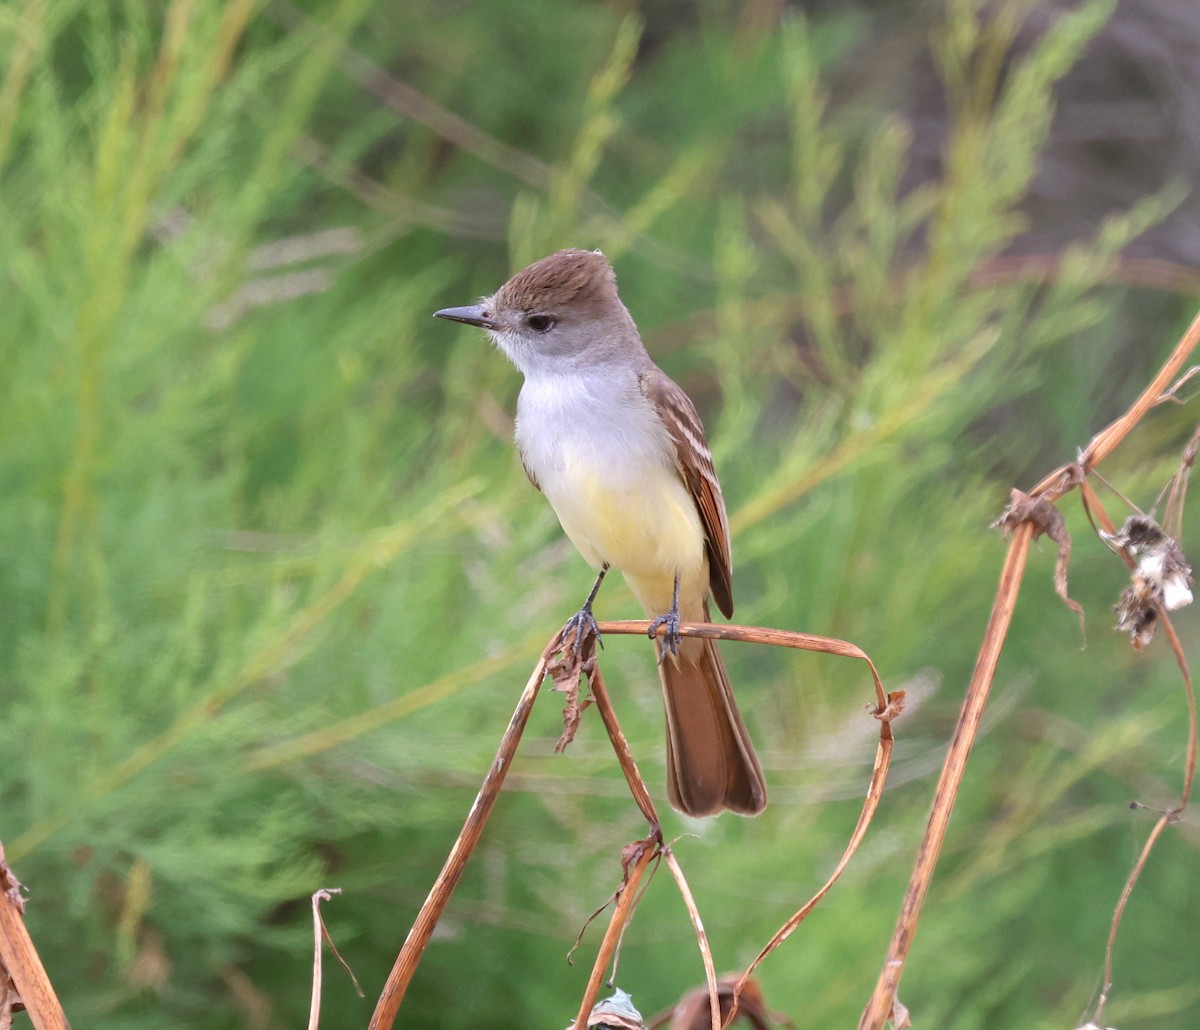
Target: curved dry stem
(883, 758)
(567, 665)
(1172, 815)
(887, 706)
(1096, 513)
(1119, 912)
(1189, 775)
(710, 972)
(1109, 438)
(761, 635)
(1176, 490)
(321, 937)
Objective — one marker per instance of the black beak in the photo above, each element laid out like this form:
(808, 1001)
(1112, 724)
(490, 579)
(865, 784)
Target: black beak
(473, 315)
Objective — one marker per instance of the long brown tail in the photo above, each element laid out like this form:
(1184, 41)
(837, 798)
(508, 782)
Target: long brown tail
(711, 764)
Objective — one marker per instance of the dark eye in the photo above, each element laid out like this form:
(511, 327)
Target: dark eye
(540, 323)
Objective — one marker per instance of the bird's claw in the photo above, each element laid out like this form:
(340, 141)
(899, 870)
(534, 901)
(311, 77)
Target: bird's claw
(671, 638)
(582, 623)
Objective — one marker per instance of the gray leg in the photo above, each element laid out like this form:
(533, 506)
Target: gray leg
(670, 619)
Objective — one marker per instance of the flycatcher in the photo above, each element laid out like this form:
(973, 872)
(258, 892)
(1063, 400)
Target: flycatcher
(619, 452)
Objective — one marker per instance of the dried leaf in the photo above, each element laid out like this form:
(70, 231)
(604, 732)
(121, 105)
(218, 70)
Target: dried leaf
(567, 671)
(631, 854)
(1173, 393)
(10, 1000)
(894, 706)
(1047, 520)
(900, 1018)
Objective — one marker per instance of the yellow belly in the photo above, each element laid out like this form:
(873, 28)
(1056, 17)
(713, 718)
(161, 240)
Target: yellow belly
(646, 525)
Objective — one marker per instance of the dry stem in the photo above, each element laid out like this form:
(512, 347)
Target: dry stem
(649, 850)
(560, 659)
(710, 972)
(19, 960)
(1051, 488)
(439, 894)
(887, 707)
(880, 1007)
(321, 937)
(637, 785)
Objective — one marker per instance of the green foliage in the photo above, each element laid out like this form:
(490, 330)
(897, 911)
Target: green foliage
(274, 578)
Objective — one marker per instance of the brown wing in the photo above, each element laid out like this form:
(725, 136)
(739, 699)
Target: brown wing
(695, 464)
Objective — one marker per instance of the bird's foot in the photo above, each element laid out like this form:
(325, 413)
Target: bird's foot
(580, 626)
(671, 638)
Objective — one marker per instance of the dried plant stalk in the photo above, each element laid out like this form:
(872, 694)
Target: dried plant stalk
(643, 854)
(761, 635)
(633, 777)
(1171, 815)
(887, 707)
(710, 972)
(20, 963)
(406, 962)
(568, 664)
(880, 1007)
(320, 938)
(883, 758)
(879, 1010)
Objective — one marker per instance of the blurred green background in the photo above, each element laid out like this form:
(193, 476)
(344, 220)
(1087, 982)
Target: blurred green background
(272, 578)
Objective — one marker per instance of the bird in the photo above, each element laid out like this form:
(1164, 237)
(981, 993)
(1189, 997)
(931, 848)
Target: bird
(618, 450)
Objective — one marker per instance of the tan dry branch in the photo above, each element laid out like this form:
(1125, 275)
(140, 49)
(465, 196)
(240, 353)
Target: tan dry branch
(567, 665)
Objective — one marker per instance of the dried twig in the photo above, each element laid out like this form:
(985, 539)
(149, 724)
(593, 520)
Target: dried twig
(19, 961)
(1171, 815)
(567, 665)
(880, 1007)
(879, 1010)
(321, 936)
(639, 857)
(637, 785)
(710, 972)
(1176, 489)
(439, 894)
(887, 707)
(768, 636)
(883, 757)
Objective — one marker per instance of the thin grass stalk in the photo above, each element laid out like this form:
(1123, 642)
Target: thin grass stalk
(1170, 816)
(883, 758)
(314, 1005)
